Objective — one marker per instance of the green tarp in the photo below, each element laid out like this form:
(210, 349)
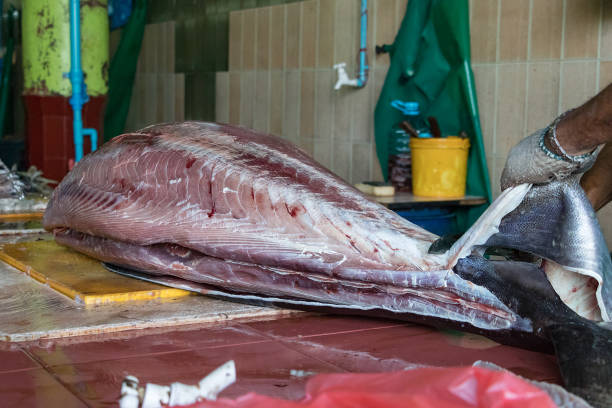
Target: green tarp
(430, 64)
(123, 70)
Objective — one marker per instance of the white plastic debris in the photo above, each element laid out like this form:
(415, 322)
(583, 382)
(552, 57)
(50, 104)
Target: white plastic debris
(218, 380)
(157, 396)
(129, 393)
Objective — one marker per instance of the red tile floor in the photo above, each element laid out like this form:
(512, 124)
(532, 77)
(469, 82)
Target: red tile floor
(88, 371)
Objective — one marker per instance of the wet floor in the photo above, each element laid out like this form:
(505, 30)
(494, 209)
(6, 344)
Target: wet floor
(88, 371)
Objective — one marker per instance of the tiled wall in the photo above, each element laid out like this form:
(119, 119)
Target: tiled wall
(281, 78)
(533, 60)
(185, 43)
(159, 92)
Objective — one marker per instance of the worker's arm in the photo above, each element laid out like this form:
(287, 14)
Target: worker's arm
(568, 146)
(597, 182)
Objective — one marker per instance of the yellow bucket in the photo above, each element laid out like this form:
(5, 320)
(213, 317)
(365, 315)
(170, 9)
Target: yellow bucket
(439, 166)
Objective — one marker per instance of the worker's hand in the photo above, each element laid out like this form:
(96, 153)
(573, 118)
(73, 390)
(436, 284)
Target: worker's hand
(531, 162)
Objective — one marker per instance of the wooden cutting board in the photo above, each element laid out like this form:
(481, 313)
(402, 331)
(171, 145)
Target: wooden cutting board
(78, 276)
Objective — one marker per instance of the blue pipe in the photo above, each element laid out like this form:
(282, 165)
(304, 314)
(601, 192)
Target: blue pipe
(363, 44)
(79, 90)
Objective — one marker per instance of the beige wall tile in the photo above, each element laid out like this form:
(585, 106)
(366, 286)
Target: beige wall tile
(171, 33)
(492, 171)
(484, 76)
(140, 65)
(510, 122)
(151, 44)
(543, 94)
(162, 49)
(263, 38)
(546, 29)
(498, 163)
(483, 27)
(248, 39)
(326, 17)
(292, 45)
(324, 105)
(309, 33)
(360, 169)
(513, 30)
(605, 74)
(379, 75)
(235, 41)
(323, 152)
(141, 97)
(307, 145)
(363, 115)
(341, 159)
(291, 114)
(247, 98)
(581, 28)
(345, 44)
(605, 221)
(161, 93)
(605, 46)
(307, 113)
(166, 86)
(179, 97)
(400, 8)
(234, 98)
(150, 96)
(277, 37)
(262, 101)
(578, 83)
(342, 114)
(131, 120)
(277, 80)
(375, 169)
(385, 16)
(222, 97)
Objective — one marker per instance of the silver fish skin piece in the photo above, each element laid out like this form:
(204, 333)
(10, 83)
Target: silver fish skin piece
(556, 222)
(251, 213)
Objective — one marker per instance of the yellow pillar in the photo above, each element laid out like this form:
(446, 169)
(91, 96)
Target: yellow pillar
(46, 46)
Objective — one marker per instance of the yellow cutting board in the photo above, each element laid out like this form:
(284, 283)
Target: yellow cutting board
(78, 276)
(21, 216)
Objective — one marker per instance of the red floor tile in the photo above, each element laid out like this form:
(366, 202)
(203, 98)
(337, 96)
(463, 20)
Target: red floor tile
(264, 368)
(396, 348)
(315, 325)
(15, 360)
(35, 388)
(265, 354)
(138, 344)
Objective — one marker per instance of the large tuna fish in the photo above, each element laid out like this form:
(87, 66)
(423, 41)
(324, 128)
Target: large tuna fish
(254, 216)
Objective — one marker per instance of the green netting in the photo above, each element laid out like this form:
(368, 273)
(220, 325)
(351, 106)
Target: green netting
(430, 64)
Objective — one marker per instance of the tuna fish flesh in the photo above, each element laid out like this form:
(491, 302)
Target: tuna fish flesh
(252, 215)
(226, 206)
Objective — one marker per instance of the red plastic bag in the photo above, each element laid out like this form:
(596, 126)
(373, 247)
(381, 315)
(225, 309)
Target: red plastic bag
(470, 387)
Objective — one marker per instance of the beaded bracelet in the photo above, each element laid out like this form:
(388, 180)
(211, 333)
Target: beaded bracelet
(552, 129)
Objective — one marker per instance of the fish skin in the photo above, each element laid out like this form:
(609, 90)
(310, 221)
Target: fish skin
(235, 197)
(583, 348)
(556, 222)
(435, 293)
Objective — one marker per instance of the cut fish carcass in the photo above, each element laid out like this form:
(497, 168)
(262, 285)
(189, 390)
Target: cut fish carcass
(251, 213)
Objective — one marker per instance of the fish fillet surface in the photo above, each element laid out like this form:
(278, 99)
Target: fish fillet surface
(251, 213)
(248, 212)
